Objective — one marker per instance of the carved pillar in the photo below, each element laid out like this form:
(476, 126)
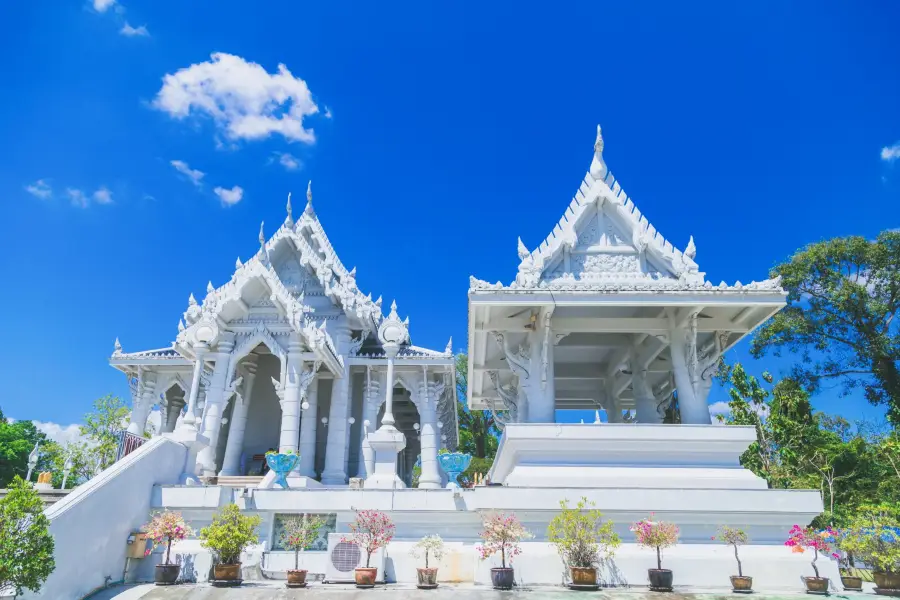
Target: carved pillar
(338, 429)
(371, 403)
(142, 403)
(686, 369)
(290, 404)
(190, 419)
(646, 407)
(215, 401)
(544, 410)
(308, 422)
(235, 443)
(174, 404)
(428, 398)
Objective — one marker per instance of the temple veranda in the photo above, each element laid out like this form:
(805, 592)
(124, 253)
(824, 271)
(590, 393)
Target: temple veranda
(604, 314)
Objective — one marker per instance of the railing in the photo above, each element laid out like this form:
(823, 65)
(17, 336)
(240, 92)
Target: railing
(128, 443)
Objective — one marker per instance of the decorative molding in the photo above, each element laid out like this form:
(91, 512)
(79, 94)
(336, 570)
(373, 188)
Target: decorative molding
(509, 396)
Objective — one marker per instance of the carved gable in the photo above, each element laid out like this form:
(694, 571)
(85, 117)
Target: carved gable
(297, 278)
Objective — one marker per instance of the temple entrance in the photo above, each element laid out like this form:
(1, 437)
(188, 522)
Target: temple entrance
(263, 414)
(406, 420)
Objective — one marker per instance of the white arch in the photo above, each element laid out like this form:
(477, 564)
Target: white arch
(260, 335)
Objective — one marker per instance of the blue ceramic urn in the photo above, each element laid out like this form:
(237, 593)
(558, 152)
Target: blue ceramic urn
(282, 464)
(454, 463)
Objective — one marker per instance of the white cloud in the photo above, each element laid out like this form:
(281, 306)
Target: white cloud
(891, 153)
(40, 189)
(61, 434)
(245, 100)
(103, 5)
(139, 31)
(327, 113)
(103, 195)
(193, 174)
(77, 197)
(230, 197)
(288, 161)
(719, 408)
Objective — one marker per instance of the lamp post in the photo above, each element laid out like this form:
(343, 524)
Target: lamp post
(67, 468)
(33, 460)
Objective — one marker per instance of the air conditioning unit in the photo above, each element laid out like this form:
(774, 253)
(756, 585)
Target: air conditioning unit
(345, 557)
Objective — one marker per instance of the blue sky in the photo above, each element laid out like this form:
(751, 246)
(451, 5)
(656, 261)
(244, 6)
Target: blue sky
(441, 134)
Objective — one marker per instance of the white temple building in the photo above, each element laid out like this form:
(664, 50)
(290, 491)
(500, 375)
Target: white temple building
(605, 314)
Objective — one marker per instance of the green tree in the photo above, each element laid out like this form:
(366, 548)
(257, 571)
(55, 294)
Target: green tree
(102, 427)
(83, 462)
(843, 297)
(26, 546)
(17, 439)
(477, 431)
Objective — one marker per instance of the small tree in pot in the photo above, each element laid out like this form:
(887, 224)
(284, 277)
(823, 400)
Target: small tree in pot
(370, 531)
(736, 537)
(501, 534)
(226, 537)
(431, 546)
(299, 533)
(800, 539)
(164, 528)
(582, 537)
(657, 535)
(874, 537)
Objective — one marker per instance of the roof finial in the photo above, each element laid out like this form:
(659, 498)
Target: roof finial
(262, 236)
(209, 288)
(191, 300)
(598, 166)
(238, 264)
(691, 250)
(117, 347)
(309, 208)
(449, 348)
(289, 221)
(523, 251)
(597, 417)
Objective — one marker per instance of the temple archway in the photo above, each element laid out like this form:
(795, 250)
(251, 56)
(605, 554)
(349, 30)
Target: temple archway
(407, 420)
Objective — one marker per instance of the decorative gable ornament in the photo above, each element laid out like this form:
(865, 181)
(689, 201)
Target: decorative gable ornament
(393, 331)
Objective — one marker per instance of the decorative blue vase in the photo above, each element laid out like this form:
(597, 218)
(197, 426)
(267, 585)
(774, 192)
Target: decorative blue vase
(282, 464)
(453, 464)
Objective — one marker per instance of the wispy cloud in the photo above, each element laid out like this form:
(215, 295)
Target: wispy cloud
(230, 197)
(288, 161)
(194, 175)
(78, 198)
(890, 153)
(103, 195)
(61, 434)
(244, 100)
(139, 31)
(103, 5)
(40, 189)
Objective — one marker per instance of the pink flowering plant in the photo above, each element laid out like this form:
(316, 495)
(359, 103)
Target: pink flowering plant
(800, 539)
(734, 537)
(655, 534)
(165, 528)
(501, 534)
(370, 531)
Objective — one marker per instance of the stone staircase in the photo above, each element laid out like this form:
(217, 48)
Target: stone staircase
(237, 481)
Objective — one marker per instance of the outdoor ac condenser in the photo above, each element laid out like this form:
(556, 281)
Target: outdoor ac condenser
(345, 557)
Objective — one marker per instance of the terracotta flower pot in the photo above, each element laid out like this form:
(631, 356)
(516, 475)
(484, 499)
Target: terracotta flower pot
(503, 578)
(365, 577)
(660, 580)
(166, 574)
(296, 578)
(851, 584)
(426, 579)
(583, 575)
(887, 581)
(816, 585)
(227, 572)
(741, 584)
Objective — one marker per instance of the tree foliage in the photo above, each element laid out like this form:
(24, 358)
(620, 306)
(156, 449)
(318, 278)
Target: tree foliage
(843, 297)
(102, 428)
(17, 439)
(478, 433)
(229, 534)
(26, 546)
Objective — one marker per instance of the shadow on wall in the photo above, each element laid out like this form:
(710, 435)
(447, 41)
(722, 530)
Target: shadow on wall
(609, 574)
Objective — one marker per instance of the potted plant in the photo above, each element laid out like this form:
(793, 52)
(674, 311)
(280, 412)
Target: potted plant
(800, 539)
(164, 528)
(657, 535)
(502, 534)
(849, 581)
(299, 533)
(874, 537)
(432, 546)
(736, 537)
(226, 537)
(370, 531)
(581, 537)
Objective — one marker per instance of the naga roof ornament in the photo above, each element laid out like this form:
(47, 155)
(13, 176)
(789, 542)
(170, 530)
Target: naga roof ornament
(289, 220)
(309, 206)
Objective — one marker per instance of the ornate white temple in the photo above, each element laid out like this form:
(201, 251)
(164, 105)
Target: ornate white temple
(604, 314)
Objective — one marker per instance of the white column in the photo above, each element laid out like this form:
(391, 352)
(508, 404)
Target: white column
(290, 406)
(308, 426)
(174, 404)
(430, 477)
(190, 419)
(215, 400)
(371, 403)
(693, 407)
(338, 428)
(143, 402)
(234, 445)
(646, 406)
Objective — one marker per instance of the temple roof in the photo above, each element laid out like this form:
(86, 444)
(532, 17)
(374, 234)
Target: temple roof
(603, 243)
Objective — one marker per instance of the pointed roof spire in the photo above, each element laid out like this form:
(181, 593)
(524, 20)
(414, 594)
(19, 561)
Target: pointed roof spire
(598, 166)
(597, 417)
(309, 207)
(523, 251)
(180, 325)
(238, 264)
(449, 348)
(209, 288)
(117, 347)
(691, 250)
(191, 300)
(289, 221)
